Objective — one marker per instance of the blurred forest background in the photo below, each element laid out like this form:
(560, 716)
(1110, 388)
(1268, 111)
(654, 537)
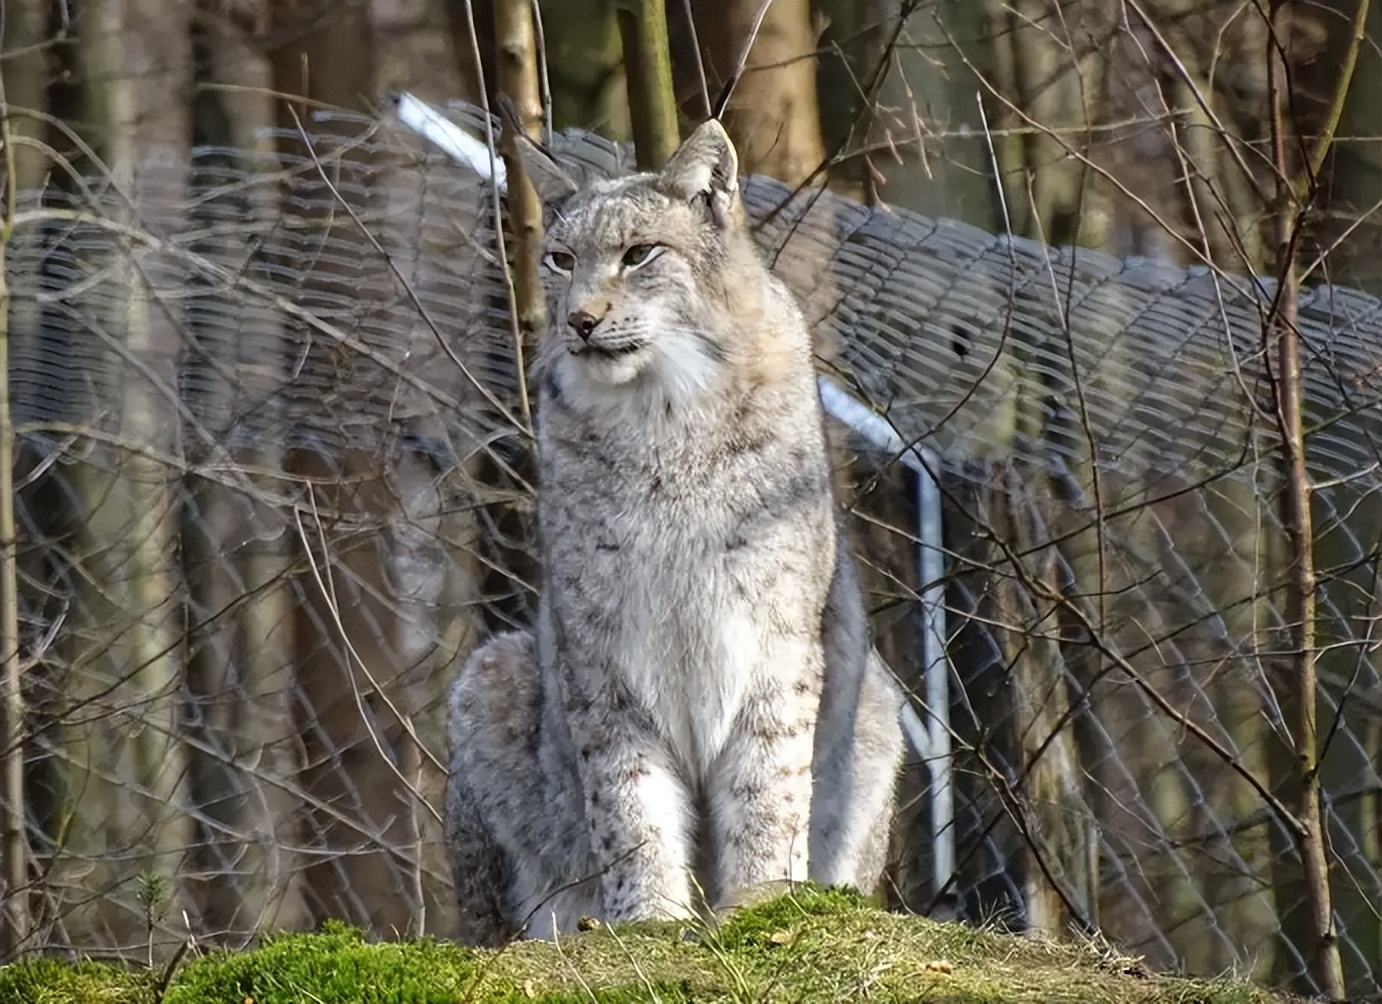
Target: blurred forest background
(266, 474)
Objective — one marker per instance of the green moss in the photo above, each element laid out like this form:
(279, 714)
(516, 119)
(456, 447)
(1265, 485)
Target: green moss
(812, 946)
(336, 964)
(757, 926)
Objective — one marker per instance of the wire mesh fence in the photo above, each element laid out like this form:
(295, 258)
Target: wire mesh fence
(274, 479)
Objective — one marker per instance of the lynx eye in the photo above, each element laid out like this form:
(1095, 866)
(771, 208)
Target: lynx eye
(561, 261)
(641, 254)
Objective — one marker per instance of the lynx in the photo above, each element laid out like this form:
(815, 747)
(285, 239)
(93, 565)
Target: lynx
(700, 711)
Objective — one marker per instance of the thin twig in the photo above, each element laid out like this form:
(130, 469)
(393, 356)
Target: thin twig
(1322, 953)
(544, 81)
(700, 59)
(516, 55)
(740, 61)
(515, 329)
(1336, 107)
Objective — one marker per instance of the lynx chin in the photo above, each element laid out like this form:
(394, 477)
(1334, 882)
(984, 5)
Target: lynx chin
(699, 710)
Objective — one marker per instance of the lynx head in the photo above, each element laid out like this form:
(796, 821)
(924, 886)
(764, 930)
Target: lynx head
(647, 275)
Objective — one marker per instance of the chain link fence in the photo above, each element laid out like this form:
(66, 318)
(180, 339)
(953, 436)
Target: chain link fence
(275, 477)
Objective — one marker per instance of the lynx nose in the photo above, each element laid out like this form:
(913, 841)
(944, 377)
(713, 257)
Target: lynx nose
(582, 322)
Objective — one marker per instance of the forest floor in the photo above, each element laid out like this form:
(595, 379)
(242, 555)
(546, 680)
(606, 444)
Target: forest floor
(808, 946)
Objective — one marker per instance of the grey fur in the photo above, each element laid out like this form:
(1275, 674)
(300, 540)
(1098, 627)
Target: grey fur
(701, 710)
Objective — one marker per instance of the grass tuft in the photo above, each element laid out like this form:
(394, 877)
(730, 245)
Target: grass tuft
(43, 980)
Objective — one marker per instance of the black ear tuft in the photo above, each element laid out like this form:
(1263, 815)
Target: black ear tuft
(705, 165)
(552, 183)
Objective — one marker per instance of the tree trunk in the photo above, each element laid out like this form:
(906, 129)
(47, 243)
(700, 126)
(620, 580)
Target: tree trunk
(773, 115)
(585, 66)
(1060, 852)
(236, 540)
(516, 53)
(26, 77)
(126, 822)
(648, 77)
(383, 607)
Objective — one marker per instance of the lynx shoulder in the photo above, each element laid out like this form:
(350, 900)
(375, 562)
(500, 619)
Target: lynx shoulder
(699, 709)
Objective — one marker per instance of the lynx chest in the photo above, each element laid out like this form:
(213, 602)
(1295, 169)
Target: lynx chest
(680, 576)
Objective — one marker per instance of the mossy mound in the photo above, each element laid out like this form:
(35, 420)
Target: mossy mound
(812, 945)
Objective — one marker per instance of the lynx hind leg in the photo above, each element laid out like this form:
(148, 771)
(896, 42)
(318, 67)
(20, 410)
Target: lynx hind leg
(857, 761)
(512, 805)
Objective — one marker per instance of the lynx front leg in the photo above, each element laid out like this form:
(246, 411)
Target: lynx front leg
(639, 814)
(760, 797)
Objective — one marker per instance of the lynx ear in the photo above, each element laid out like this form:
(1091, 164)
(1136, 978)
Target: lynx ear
(553, 185)
(706, 164)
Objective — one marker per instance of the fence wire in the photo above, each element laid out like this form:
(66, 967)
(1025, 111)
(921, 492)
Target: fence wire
(275, 479)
